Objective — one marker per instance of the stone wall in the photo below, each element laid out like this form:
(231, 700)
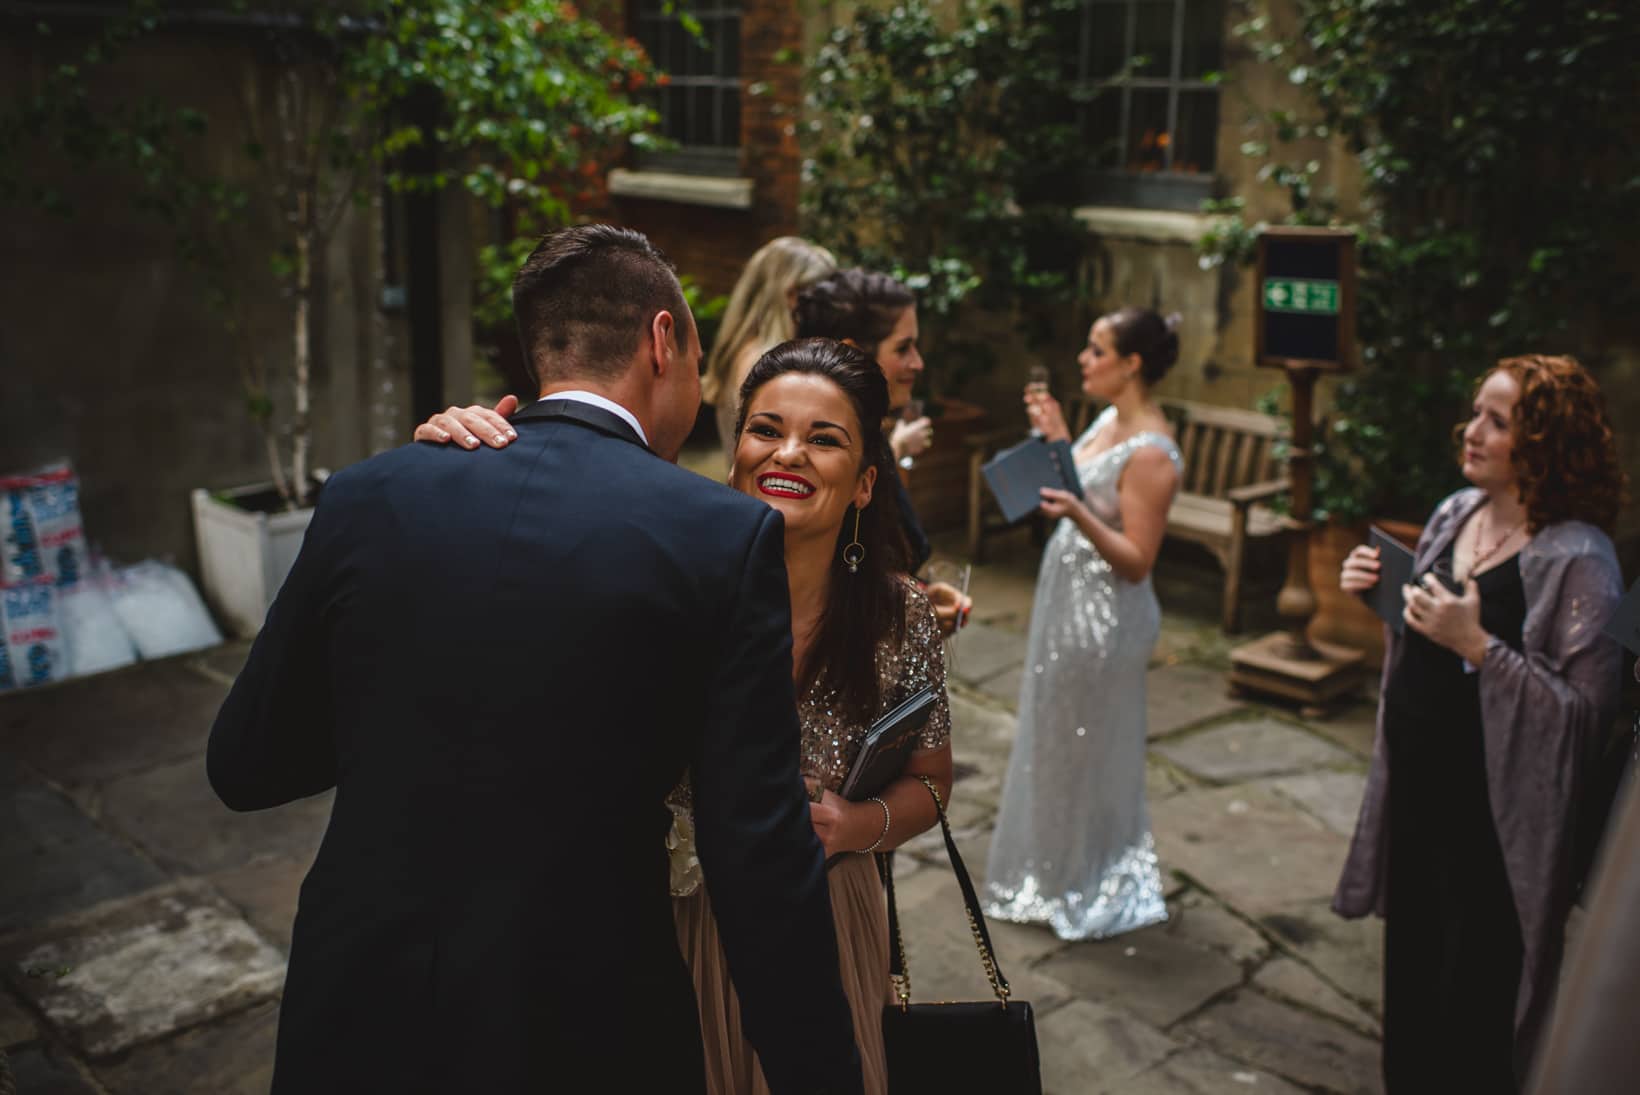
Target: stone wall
(111, 356)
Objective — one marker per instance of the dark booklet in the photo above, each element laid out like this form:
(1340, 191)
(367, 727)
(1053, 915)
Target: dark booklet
(888, 744)
(1624, 625)
(1016, 476)
(1394, 571)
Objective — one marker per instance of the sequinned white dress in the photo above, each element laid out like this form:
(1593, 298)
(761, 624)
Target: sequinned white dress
(1072, 847)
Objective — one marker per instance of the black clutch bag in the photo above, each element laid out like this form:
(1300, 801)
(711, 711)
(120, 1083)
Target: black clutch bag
(888, 744)
(943, 1048)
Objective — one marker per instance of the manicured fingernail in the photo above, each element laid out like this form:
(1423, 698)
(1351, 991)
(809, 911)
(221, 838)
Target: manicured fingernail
(443, 435)
(512, 435)
(471, 441)
(499, 440)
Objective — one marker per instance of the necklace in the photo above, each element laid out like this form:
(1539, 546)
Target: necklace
(1482, 556)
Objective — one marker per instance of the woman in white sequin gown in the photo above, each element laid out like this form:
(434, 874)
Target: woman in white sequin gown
(1072, 847)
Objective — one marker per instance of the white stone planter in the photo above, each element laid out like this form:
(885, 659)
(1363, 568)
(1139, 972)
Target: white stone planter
(244, 556)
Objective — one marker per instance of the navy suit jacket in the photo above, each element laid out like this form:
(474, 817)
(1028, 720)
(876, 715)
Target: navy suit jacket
(502, 661)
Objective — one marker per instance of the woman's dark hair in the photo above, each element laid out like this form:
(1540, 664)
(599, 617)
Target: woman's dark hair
(864, 608)
(1563, 452)
(1144, 332)
(860, 305)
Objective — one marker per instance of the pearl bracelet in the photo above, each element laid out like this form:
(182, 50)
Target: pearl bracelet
(887, 820)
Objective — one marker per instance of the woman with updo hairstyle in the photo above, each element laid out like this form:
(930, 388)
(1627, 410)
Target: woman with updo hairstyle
(758, 317)
(1072, 847)
(878, 314)
(1497, 695)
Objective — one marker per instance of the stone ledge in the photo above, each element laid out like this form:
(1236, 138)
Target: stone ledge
(712, 190)
(1149, 225)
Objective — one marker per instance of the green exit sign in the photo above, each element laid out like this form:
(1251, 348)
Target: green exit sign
(1301, 296)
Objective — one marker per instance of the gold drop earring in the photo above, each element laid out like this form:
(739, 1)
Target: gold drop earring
(855, 553)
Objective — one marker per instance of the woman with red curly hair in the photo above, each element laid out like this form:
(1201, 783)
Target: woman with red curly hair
(1495, 699)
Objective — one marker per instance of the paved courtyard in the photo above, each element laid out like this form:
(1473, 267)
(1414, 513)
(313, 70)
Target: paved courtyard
(143, 927)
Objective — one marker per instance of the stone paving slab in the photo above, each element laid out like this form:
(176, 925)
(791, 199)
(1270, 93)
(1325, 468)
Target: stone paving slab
(230, 1057)
(87, 731)
(1200, 1071)
(16, 1024)
(1352, 727)
(53, 859)
(223, 662)
(1348, 954)
(266, 892)
(1162, 780)
(979, 651)
(42, 1071)
(1087, 1045)
(1004, 687)
(1249, 748)
(1199, 919)
(1181, 695)
(1296, 1045)
(1248, 846)
(172, 812)
(135, 970)
(1333, 797)
(1155, 973)
(979, 730)
(1291, 980)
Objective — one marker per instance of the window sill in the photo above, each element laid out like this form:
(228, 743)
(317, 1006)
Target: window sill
(1148, 225)
(668, 186)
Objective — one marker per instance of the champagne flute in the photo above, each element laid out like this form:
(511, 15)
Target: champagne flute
(1036, 384)
(912, 411)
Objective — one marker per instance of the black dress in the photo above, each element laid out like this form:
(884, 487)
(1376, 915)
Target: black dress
(1452, 941)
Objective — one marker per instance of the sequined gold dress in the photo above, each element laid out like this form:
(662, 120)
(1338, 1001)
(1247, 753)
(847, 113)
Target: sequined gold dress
(859, 912)
(1072, 847)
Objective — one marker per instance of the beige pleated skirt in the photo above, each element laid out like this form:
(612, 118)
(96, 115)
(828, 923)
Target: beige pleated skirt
(860, 914)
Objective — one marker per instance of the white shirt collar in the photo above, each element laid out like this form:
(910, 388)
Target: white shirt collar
(593, 399)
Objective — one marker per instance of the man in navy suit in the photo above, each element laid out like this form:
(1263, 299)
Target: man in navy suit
(502, 662)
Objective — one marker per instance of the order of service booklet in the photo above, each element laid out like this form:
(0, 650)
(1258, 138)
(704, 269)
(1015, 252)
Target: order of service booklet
(1017, 475)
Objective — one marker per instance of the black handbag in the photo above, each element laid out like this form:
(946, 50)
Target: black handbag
(987, 1046)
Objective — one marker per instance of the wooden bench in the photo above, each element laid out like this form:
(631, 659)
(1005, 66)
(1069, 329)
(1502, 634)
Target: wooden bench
(1230, 474)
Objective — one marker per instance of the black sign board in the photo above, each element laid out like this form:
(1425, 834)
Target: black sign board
(1305, 298)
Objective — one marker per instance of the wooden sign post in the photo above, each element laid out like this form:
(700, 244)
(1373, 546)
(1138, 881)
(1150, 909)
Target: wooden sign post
(1304, 323)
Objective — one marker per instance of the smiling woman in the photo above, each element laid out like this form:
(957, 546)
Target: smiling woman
(809, 442)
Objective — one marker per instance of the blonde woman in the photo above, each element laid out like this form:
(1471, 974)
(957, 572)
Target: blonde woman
(758, 318)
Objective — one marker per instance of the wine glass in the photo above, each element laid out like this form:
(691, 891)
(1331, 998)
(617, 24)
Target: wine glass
(912, 411)
(1036, 384)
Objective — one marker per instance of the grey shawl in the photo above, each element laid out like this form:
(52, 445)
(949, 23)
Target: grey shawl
(1543, 714)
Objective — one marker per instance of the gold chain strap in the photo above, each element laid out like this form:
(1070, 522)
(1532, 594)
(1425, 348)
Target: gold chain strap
(902, 983)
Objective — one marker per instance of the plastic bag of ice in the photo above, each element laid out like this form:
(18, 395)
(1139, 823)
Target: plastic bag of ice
(95, 636)
(161, 610)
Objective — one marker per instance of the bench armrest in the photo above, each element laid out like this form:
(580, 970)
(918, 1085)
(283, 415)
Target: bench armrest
(1241, 497)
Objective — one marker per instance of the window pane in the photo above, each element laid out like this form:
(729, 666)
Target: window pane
(673, 112)
(1103, 128)
(731, 117)
(1106, 39)
(1196, 141)
(679, 47)
(700, 116)
(728, 48)
(1203, 38)
(1153, 38)
(1147, 131)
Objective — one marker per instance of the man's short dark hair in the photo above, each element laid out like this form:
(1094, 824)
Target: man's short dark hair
(585, 297)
